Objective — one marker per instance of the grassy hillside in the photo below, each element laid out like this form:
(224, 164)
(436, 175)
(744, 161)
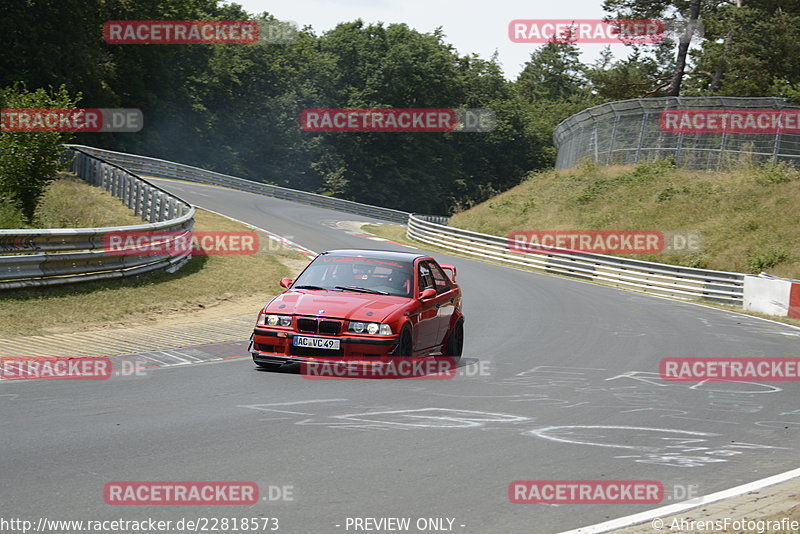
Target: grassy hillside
(749, 216)
(69, 202)
(224, 281)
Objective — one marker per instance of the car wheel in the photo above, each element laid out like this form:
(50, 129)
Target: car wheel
(455, 342)
(405, 346)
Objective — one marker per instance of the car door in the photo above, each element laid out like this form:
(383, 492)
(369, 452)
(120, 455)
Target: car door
(445, 301)
(426, 330)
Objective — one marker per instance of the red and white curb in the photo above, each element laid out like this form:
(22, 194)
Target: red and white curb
(354, 228)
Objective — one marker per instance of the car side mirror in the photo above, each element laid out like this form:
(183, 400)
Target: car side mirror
(286, 282)
(427, 293)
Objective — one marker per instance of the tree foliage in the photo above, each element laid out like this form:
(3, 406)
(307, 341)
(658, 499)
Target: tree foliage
(235, 108)
(28, 161)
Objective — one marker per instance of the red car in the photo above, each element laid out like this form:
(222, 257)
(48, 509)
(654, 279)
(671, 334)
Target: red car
(362, 304)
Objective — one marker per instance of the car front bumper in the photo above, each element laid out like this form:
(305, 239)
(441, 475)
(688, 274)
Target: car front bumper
(276, 347)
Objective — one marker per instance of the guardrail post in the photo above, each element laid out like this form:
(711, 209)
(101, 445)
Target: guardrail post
(137, 200)
(85, 258)
(645, 116)
(613, 135)
(776, 148)
(723, 146)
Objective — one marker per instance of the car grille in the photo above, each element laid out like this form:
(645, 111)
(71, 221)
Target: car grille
(330, 328)
(307, 325)
(314, 326)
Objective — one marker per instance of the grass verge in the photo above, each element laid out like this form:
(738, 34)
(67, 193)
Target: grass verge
(235, 284)
(58, 207)
(747, 214)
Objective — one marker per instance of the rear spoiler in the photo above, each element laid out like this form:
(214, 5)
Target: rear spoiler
(451, 270)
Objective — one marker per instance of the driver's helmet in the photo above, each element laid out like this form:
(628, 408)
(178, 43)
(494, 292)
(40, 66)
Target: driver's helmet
(400, 281)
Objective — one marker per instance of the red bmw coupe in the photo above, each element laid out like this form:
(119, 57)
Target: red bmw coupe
(362, 304)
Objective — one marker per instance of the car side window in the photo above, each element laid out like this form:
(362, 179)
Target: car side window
(425, 277)
(440, 280)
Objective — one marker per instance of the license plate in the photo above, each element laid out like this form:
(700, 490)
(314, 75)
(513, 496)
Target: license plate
(316, 342)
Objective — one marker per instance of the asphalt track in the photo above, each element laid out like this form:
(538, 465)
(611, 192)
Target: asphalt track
(569, 391)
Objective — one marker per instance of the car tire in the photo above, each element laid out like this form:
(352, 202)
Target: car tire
(455, 341)
(405, 344)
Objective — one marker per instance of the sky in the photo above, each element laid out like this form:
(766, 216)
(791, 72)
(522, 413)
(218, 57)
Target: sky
(471, 26)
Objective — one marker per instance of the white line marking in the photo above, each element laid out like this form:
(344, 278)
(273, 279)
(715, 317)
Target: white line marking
(261, 407)
(641, 517)
(300, 248)
(278, 411)
(545, 434)
(140, 355)
(302, 402)
(195, 358)
(167, 353)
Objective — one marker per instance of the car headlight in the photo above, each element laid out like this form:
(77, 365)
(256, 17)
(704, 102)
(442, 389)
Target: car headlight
(370, 328)
(275, 320)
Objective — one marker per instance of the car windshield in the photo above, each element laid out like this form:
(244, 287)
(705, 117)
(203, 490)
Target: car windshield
(357, 274)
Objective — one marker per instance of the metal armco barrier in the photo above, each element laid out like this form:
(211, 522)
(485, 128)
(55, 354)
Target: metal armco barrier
(70, 255)
(167, 212)
(168, 169)
(648, 277)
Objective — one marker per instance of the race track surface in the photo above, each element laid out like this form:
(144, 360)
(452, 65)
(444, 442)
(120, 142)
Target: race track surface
(567, 388)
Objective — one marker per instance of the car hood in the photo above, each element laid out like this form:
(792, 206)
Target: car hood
(340, 304)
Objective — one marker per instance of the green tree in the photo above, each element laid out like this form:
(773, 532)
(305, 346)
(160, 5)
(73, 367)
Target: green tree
(29, 160)
(681, 18)
(750, 50)
(554, 71)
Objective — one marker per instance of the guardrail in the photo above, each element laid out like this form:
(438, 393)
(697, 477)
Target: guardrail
(80, 254)
(167, 212)
(167, 169)
(656, 278)
(628, 132)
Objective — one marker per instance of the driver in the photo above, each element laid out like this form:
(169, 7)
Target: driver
(400, 282)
